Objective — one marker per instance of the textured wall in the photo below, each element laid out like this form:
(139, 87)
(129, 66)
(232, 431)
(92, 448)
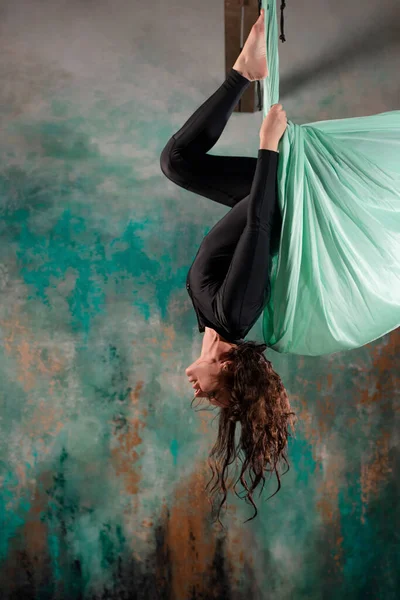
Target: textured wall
(102, 460)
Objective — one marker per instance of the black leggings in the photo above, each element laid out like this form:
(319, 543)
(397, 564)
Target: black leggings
(234, 257)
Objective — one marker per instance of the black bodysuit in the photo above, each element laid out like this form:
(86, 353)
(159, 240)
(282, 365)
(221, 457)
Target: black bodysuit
(228, 281)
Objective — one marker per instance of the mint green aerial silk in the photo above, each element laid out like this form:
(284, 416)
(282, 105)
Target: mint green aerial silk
(335, 280)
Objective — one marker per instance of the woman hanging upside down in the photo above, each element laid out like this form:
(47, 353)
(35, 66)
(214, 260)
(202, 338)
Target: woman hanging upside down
(228, 280)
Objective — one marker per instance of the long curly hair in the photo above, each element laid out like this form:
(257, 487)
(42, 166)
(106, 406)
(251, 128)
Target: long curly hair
(259, 401)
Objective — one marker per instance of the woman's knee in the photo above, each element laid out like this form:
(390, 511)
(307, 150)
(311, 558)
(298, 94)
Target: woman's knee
(173, 166)
(166, 159)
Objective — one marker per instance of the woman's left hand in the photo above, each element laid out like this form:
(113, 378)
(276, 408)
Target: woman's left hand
(252, 61)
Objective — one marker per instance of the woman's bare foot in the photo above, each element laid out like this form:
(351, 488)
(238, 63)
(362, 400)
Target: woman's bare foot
(252, 61)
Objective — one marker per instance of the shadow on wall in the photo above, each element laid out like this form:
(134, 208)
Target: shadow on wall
(381, 35)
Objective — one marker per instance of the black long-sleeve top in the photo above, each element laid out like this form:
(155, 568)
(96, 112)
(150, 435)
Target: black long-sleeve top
(231, 302)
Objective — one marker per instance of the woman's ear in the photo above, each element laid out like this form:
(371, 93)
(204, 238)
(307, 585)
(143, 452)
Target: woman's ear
(225, 365)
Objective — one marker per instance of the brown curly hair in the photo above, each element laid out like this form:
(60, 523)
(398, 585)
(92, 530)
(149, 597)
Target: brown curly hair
(259, 401)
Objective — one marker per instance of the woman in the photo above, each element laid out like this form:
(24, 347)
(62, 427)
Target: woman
(227, 281)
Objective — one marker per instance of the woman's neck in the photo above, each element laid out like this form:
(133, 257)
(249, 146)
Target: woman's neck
(214, 345)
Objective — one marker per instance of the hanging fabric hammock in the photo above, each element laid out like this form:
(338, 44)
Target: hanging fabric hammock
(335, 279)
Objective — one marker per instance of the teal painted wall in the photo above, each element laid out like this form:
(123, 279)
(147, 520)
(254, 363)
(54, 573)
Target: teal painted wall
(103, 462)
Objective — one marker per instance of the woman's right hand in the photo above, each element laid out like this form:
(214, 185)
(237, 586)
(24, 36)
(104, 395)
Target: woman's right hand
(273, 128)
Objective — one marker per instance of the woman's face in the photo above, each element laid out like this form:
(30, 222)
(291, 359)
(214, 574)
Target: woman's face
(203, 375)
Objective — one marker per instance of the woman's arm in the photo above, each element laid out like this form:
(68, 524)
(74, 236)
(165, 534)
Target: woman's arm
(240, 299)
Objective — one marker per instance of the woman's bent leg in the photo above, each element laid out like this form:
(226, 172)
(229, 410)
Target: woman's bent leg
(184, 160)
